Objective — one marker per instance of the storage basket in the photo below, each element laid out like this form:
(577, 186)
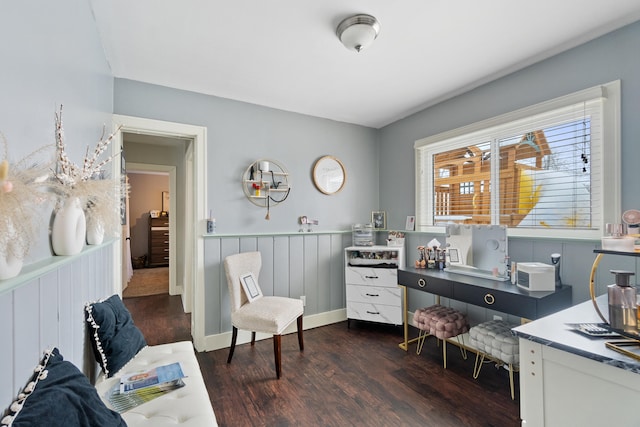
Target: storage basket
(362, 234)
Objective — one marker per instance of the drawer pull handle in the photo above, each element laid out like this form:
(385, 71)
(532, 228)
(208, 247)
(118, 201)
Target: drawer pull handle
(372, 295)
(489, 299)
(422, 283)
(371, 277)
(373, 312)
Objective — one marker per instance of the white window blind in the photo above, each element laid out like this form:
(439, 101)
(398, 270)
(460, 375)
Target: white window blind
(540, 170)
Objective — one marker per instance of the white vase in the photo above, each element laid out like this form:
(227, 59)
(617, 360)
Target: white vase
(69, 228)
(11, 259)
(10, 265)
(95, 231)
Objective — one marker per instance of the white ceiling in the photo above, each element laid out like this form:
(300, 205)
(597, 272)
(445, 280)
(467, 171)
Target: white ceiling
(285, 53)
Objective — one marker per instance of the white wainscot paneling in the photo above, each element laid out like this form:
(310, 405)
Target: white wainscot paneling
(44, 308)
(293, 265)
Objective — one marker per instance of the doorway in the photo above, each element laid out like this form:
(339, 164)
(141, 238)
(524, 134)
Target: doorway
(149, 221)
(187, 147)
(156, 168)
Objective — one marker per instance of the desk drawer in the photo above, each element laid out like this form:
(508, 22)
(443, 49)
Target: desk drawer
(506, 302)
(375, 312)
(371, 276)
(432, 285)
(374, 294)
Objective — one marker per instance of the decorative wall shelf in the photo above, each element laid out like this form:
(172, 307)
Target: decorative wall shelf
(266, 183)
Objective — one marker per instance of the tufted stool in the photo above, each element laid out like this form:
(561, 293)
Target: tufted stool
(495, 341)
(441, 322)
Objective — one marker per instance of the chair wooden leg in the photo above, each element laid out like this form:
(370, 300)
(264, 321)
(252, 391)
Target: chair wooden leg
(253, 337)
(300, 339)
(234, 336)
(276, 351)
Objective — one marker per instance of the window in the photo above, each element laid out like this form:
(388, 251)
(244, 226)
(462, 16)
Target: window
(539, 170)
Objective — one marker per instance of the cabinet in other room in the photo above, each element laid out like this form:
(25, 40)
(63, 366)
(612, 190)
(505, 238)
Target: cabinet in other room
(158, 241)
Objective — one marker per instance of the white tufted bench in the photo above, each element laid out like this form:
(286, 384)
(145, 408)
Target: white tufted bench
(188, 406)
(495, 341)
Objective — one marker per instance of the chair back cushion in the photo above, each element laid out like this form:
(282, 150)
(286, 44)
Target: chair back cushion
(235, 266)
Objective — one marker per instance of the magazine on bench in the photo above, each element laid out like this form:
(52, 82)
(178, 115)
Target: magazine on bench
(157, 376)
(139, 387)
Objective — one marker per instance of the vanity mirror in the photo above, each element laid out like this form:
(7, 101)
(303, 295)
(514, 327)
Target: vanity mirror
(329, 175)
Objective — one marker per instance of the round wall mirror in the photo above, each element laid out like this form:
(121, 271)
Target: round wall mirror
(329, 175)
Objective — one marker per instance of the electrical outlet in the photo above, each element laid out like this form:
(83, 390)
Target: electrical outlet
(496, 317)
(304, 300)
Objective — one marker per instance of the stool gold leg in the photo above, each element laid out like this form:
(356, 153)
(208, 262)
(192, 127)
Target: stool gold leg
(477, 366)
(463, 349)
(444, 353)
(422, 337)
(513, 396)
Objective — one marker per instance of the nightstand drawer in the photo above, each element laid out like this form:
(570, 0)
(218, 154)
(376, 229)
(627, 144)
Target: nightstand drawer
(374, 294)
(371, 276)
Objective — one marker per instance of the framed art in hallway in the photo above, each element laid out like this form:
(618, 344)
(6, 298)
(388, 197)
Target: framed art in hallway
(379, 220)
(165, 201)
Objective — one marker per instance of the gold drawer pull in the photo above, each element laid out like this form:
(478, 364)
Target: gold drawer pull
(422, 283)
(489, 299)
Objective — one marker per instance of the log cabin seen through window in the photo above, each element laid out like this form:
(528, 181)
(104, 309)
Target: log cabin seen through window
(545, 170)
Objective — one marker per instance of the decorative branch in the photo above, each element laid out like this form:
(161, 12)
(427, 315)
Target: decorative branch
(68, 173)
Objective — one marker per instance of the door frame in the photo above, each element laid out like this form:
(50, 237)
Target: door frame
(194, 224)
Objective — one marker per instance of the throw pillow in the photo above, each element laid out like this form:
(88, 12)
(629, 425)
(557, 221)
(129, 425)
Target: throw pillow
(58, 394)
(115, 338)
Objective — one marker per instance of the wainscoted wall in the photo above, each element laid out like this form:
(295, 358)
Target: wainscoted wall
(295, 264)
(312, 264)
(44, 307)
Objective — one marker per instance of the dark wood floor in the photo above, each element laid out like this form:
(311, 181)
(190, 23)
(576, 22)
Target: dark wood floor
(345, 377)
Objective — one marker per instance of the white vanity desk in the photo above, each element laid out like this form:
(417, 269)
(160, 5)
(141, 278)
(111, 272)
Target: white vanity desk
(568, 379)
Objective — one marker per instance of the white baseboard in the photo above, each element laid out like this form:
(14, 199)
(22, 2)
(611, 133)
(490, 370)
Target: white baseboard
(223, 340)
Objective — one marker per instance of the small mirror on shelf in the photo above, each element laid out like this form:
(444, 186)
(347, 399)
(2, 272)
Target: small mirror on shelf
(329, 175)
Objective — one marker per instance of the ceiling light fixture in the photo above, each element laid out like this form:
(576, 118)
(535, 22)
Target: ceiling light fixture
(358, 32)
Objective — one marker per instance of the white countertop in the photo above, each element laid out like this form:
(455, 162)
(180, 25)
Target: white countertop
(553, 331)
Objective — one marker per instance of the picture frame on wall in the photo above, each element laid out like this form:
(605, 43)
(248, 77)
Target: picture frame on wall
(411, 223)
(379, 220)
(165, 201)
(124, 189)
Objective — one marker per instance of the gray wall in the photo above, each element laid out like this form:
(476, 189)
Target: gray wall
(240, 133)
(43, 67)
(611, 57)
(51, 55)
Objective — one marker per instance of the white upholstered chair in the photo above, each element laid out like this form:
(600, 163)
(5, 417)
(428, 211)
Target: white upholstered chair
(268, 314)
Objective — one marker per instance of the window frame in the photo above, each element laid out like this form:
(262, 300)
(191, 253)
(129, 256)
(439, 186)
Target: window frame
(609, 160)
